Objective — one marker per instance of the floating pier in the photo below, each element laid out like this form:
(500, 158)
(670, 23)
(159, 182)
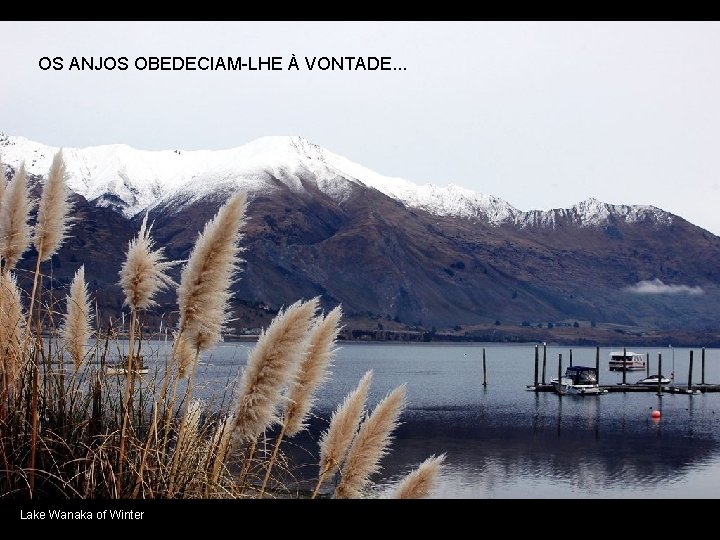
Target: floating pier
(689, 388)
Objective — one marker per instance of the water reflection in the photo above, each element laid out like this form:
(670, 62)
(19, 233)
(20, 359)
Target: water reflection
(503, 441)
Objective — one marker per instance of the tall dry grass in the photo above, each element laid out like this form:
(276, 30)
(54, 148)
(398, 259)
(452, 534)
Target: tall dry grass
(82, 434)
(419, 484)
(370, 445)
(335, 442)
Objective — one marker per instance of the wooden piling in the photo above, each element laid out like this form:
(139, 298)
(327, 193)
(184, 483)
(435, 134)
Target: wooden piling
(559, 372)
(647, 365)
(570, 357)
(597, 363)
(702, 363)
(484, 369)
(659, 392)
(537, 360)
(690, 372)
(544, 361)
(624, 366)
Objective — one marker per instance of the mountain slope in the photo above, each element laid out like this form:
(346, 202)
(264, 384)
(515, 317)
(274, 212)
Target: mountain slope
(384, 247)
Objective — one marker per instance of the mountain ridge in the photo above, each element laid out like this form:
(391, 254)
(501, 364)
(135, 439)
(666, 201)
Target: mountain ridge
(132, 181)
(315, 228)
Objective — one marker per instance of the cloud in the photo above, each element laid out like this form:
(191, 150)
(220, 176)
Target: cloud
(656, 286)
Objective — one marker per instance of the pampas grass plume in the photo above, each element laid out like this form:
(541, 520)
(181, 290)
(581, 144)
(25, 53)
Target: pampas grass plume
(271, 366)
(419, 483)
(335, 442)
(205, 282)
(52, 217)
(143, 273)
(183, 354)
(14, 214)
(77, 330)
(370, 445)
(12, 322)
(312, 370)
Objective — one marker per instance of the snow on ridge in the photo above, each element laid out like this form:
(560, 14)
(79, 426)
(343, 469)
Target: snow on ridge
(594, 213)
(141, 179)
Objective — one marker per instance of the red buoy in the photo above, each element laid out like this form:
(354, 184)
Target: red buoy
(656, 414)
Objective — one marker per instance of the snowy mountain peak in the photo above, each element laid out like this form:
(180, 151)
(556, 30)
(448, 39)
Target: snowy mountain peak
(131, 180)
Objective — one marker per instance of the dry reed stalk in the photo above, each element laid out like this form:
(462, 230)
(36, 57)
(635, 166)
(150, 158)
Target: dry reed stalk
(15, 233)
(271, 366)
(419, 483)
(151, 438)
(142, 276)
(204, 292)
(220, 445)
(186, 442)
(203, 296)
(370, 445)
(335, 442)
(311, 371)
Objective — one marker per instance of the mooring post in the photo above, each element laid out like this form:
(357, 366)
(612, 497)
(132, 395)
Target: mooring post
(624, 365)
(559, 372)
(544, 361)
(690, 372)
(570, 357)
(702, 363)
(484, 369)
(659, 392)
(537, 359)
(597, 363)
(647, 365)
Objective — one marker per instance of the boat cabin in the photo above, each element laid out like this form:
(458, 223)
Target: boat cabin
(581, 375)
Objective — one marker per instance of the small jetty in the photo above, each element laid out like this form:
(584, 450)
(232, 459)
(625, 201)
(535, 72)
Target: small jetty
(672, 389)
(540, 384)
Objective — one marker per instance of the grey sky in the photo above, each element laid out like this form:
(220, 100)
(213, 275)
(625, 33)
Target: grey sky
(540, 114)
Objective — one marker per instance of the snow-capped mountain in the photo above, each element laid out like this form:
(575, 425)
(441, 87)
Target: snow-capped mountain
(131, 180)
(386, 248)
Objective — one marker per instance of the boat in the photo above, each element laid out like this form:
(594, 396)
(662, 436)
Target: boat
(578, 380)
(629, 362)
(121, 368)
(652, 380)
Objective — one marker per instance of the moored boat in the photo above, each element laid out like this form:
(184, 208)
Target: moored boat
(578, 380)
(652, 380)
(121, 368)
(629, 361)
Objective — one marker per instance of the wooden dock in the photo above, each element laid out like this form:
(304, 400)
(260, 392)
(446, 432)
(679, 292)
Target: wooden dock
(540, 385)
(674, 389)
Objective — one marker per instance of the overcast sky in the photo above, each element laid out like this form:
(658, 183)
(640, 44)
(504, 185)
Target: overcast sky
(541, 114)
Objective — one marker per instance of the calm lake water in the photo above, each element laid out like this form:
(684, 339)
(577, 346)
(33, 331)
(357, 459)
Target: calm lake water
(503, 441)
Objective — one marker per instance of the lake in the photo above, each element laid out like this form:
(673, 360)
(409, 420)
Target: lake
(503, 441)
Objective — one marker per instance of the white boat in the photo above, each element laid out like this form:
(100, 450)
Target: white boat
(652, 380)
(630, 362)
(121, 368)
(578, 380)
